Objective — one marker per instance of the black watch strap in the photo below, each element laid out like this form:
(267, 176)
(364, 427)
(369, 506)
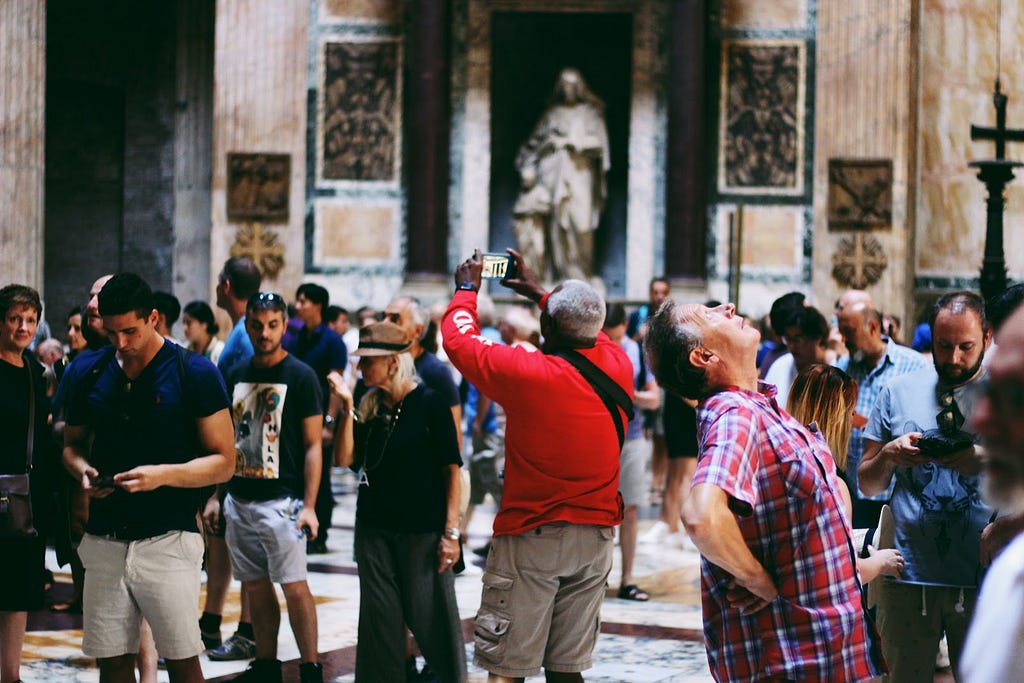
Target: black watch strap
(467, 286)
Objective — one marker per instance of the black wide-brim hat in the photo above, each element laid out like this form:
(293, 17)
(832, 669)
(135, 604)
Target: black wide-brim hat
(382, 339)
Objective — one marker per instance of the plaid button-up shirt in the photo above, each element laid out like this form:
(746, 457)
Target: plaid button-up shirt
(783, 488)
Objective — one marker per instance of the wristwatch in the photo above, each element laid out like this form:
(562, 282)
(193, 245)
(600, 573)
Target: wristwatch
(468, 286)
(453, 533)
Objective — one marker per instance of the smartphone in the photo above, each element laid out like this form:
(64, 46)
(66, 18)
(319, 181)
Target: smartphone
(498, 267)
(103, 481)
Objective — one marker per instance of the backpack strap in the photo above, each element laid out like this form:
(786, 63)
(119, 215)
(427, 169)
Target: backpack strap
(610, 393)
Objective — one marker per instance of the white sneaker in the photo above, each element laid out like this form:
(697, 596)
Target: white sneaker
(656, 534)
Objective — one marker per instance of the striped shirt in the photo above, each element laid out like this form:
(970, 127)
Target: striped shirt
(782, 487)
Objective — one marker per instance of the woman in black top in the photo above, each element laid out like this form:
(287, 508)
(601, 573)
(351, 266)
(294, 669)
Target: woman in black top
(21, 559)
(404, 447)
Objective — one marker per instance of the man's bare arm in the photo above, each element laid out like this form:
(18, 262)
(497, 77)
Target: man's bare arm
(714, 531)
(216, 438)
(648, 398)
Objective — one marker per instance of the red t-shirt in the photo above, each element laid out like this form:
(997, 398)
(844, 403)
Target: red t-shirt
(561, 447)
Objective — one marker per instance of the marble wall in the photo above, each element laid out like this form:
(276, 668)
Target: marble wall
(865, 109)
(260, 107)
(22, 136)
(958, 68)
(355, 198)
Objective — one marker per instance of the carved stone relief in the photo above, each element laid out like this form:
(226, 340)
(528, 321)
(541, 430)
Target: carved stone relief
(258, 187)
(859, 193)
(261, 245)
(762, 117)
(859, 261)
(360, 115)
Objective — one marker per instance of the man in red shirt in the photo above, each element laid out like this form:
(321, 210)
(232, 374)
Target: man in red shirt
(552, 546)
(781, 596)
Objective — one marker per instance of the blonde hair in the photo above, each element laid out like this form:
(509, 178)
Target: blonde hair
(827, 396)
(404, 373)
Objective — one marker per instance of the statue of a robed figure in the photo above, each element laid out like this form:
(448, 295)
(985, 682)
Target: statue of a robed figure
(562, 166)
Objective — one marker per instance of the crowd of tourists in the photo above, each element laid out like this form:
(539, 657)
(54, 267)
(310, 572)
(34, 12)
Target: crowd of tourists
(856, 502)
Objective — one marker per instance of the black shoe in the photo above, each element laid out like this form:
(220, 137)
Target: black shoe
(234, 648)
(483, 550)
(311, 672)
(261, 671)
(316, 547)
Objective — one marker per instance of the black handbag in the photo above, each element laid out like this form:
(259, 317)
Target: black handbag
(15, 491)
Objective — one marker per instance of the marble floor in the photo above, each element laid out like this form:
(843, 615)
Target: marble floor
(655, 642)
(659, 641)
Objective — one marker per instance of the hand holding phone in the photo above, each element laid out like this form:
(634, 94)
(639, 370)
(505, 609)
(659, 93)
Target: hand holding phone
(103, 481)
(498, 266)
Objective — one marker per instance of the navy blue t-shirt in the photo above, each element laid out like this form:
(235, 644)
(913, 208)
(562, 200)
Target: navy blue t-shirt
(149, 420)
(438, 377)
(322, 349)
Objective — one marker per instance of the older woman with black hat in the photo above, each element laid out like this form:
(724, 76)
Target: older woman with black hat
(402, 442)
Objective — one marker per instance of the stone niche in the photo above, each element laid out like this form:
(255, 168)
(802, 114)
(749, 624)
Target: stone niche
(528, 52)
(513, 52)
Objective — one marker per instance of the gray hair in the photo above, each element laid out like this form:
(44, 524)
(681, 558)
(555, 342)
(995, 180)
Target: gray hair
(578, 311)
(371, 400)
(668, 343)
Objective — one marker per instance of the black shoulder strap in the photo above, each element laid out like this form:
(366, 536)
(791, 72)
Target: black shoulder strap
(88, 380)
(610, 393)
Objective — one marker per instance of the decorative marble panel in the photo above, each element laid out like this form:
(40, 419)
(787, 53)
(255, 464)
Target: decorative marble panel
(752, 15)
(761, 126)
(772, 238)
(859, 193)
(359, 124)
(384, 11)
(348, 232)
(258, 186)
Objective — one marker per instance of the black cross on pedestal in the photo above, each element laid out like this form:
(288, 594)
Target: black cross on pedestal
(995, 173)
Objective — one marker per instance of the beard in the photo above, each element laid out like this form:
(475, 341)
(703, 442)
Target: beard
(953, 375)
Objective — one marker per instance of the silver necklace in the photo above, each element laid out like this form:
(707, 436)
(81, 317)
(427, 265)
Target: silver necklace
(364, 480)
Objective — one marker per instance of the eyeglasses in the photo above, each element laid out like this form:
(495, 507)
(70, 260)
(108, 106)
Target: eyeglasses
(949, 419)
(269, 297)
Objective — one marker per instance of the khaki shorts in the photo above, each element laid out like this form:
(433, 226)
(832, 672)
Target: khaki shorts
(633, 470)
(541, 602)
(156, 578)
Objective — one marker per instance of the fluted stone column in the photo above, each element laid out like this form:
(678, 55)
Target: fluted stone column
(22, 140)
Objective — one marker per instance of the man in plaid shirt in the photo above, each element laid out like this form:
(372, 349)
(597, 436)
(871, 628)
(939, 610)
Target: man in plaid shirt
(780, 591)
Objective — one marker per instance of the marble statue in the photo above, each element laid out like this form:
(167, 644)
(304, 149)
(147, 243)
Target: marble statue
(562, 166)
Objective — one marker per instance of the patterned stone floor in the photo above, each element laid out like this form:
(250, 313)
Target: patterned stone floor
(654, 642)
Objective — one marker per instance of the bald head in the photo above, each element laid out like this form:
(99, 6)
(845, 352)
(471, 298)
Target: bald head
(92, 309)
(853, 297)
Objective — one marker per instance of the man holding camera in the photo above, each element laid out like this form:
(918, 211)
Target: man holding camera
(552, 546)
(270, 504)
(916, 435)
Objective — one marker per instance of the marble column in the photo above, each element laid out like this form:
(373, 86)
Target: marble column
(428, 117)
(22, 140)
(686, 161)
